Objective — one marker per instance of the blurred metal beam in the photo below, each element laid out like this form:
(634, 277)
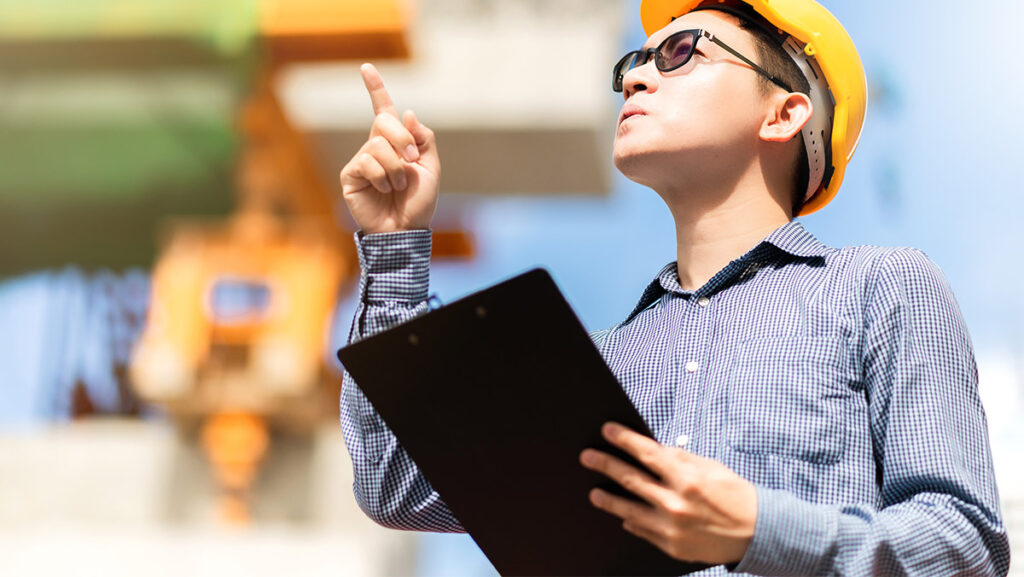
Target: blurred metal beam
(531, 160)
(311, 30)
(48, 34)
(519, 96)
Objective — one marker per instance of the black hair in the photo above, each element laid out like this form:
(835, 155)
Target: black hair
(777, 62)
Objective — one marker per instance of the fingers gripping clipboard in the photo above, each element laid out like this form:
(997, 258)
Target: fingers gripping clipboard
(494, 397)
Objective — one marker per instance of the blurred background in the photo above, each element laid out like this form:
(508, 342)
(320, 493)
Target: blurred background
(176, 269)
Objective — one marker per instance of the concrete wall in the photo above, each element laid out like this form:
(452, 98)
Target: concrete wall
(132, 498)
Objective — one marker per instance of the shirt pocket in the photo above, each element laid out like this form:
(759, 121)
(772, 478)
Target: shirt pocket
(789, 397)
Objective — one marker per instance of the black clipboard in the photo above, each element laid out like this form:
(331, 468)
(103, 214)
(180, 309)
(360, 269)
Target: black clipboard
(494, 396)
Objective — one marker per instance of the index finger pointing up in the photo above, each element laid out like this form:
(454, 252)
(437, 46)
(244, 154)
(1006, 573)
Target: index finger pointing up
(379, 96)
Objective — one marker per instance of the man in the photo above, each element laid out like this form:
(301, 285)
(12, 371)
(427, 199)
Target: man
(816, 409)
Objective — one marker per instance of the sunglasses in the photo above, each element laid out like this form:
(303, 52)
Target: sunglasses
(674, 52)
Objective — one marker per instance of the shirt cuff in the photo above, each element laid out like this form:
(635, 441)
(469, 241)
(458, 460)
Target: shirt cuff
(791, 536)
(395, 265)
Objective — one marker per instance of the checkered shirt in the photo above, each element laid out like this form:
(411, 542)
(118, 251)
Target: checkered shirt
(841, 382)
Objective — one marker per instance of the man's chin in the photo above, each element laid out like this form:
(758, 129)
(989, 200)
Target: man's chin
(640, 168)
(626, 162)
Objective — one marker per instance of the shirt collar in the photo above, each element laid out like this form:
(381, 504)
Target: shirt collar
(791, 238)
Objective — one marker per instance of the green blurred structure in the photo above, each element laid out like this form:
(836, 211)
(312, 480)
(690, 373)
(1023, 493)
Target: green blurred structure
(113, 115)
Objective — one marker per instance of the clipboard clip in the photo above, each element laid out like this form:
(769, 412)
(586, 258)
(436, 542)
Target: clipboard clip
(434, 302)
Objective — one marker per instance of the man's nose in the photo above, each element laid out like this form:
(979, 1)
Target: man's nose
(642, 78)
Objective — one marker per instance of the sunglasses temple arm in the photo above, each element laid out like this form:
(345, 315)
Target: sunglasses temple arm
(748, 61)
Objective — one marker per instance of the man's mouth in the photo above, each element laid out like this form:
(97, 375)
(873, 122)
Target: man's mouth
(629, 111)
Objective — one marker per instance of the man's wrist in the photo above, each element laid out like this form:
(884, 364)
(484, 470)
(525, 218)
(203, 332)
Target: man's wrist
(791, 536)
(395, 265)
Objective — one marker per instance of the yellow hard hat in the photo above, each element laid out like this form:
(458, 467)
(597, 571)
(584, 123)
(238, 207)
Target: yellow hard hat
(818, 42)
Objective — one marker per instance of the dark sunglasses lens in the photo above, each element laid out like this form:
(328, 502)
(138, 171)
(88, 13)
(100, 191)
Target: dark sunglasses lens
(628, 62)
(675, 51)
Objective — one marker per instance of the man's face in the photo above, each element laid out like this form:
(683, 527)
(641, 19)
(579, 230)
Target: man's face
(698, 120)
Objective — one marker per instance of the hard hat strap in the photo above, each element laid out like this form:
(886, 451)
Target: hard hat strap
(818, 130)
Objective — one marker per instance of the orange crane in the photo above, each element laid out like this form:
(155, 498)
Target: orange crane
(236, 336)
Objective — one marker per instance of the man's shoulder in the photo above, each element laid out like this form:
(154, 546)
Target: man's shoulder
(888, 269)
(884, 259)
(858, 260)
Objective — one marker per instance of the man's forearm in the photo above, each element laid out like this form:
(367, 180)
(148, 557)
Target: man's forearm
(388, 486)
(929, 534)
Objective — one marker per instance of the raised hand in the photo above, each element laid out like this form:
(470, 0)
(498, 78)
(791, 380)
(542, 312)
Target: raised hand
(391, 184)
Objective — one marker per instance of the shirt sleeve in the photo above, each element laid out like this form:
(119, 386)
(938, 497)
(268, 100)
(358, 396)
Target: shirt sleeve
(940, 508)
(388, 486)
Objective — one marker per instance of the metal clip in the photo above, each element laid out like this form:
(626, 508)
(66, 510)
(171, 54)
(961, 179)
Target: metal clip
(434, 302)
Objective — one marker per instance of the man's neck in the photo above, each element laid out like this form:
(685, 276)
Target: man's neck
(706, 243)
(720, 215)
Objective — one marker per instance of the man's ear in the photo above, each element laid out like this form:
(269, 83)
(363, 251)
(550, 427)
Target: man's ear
(786, 117)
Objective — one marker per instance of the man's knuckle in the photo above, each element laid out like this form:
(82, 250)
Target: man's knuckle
(672, 534)
(688, 489)
(697, 477)
(649, 455)
(676, 507)
(631, 482)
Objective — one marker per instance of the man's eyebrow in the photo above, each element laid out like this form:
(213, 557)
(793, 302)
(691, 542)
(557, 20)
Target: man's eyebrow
(646, 45)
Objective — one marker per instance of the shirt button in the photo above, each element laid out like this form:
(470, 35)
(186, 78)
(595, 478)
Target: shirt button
(691, 367)
(682, 440)
(703, 301)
